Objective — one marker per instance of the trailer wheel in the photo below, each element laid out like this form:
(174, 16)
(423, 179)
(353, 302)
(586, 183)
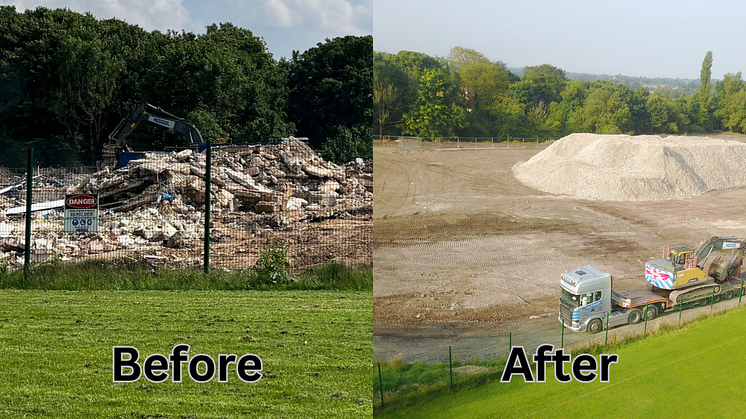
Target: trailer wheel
(704, 302)
(717, 298)
(728, 295)
(635, 315)
(652, 312)
(595, 326)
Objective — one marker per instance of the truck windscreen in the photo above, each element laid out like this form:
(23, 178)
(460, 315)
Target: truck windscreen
(569, 298)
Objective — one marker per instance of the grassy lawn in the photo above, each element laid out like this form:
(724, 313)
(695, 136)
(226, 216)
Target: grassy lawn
(56, 353)
(697, 371)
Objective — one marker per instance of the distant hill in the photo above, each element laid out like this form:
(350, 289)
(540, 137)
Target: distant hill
(687, 86)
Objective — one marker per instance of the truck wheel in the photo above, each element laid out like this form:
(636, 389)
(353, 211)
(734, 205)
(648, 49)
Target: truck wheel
(595, 326)
(652, 312)
(635, 316)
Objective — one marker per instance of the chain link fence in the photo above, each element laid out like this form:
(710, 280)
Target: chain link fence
(152, 208)
(462, 142)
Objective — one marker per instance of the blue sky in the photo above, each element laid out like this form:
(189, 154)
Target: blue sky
(285, 25)
(651, 38)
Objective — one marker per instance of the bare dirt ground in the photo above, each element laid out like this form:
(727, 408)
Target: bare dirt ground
(464, 251)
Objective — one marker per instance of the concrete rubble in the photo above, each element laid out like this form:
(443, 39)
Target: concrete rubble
(157, 203)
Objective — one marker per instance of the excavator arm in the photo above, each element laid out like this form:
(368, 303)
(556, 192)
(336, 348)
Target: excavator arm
(718, 264)
(144, 112)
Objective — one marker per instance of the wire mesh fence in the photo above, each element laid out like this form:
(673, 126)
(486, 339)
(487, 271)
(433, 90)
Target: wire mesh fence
(462, 142)
(411, 368)
(152, 207)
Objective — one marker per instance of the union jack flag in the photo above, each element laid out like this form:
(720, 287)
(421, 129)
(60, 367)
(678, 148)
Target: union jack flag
(659, 278)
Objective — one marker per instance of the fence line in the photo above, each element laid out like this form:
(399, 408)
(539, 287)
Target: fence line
(154, 210)
(463, 142)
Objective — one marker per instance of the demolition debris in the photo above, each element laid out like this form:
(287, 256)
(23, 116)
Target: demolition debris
(154, 207)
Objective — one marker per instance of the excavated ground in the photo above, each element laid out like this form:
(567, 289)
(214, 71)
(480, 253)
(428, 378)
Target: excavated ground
(461, 248)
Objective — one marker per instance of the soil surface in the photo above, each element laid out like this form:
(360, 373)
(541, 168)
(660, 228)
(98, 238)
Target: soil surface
(465, 254)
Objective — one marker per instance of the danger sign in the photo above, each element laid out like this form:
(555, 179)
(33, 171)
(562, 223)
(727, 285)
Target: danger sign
(81, 201)
(81, 214)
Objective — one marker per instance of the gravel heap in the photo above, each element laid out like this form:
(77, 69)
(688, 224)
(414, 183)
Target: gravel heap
(635, 168)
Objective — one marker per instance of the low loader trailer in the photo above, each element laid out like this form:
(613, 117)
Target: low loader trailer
(587, 297)
(683, 278)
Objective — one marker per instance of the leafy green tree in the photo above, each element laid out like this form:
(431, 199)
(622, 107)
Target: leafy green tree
(603, 112)
(726, 92)
(663, 114)
(481, 80)
(435, 113)
(542, 83)
(510, 116)
(554, 123)
(347, 144)
(87, 77)
(227, 73)
(331, 85)
(705, 87)
(389, 87)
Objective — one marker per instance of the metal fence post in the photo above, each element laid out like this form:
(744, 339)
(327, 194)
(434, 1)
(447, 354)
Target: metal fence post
(646, 319)
(607, 329)
(29, 199)
(380, 383)
(740, 294)
(562, 342)
(450, 366)
(510, 341)
(208, 181)
(681, 306)
(712, 300)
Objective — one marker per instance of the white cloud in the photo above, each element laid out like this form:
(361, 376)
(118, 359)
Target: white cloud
(354, 17)
(149, 14)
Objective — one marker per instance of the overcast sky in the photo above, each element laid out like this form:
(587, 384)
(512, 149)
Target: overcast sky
(285, 25)
(651, 38)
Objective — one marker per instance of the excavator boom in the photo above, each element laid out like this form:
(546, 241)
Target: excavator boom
(144, 112)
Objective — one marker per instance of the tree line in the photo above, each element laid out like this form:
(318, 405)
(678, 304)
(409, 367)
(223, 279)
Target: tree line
(67, 79)
(466, 94)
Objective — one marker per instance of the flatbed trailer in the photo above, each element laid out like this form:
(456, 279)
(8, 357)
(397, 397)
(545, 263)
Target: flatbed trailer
(587, 298)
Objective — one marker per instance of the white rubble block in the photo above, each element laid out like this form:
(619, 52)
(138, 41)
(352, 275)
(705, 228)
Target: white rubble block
(126, 241)
(42, 244)
(6, 230)
(183, 155)
(246, 181)
(318, 171)
(331, 186)
(295, 204)
(163, 231)
(226, 199)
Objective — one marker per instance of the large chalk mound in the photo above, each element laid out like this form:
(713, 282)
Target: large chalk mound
(635, 168)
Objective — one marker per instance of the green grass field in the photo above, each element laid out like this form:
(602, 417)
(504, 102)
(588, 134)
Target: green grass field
(698, 371)
(56, 353)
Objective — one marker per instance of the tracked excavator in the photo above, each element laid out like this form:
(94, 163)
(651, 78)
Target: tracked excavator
(682, 278)
(145, 112)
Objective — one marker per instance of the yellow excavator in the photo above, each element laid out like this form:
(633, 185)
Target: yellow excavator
(718, 259)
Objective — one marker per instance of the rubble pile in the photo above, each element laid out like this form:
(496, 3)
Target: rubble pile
(634, 168)
(263, 179)
(155, 204)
